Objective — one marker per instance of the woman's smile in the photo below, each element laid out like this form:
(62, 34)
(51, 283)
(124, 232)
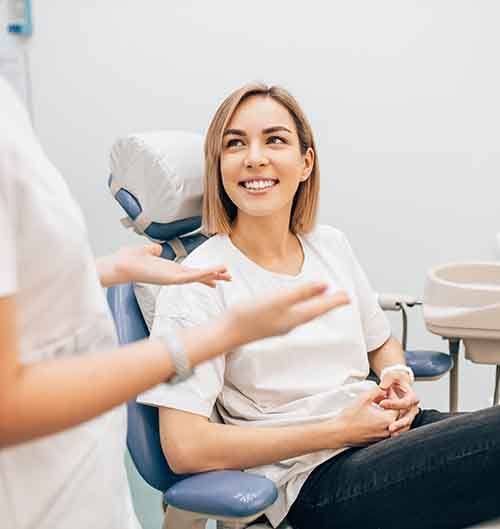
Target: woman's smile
(259, 186)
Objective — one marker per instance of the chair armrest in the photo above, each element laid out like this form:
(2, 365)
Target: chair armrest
(223, 493)
(396, 301)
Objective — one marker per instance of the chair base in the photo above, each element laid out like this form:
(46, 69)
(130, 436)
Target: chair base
(179, 519)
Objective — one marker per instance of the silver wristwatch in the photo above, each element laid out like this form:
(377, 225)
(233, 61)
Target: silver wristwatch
(178, 357)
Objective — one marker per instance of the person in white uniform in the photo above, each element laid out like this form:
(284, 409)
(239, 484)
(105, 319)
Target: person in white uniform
(63, 379)
(343, 451)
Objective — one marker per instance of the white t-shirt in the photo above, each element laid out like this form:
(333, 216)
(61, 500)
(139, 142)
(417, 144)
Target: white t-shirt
(307, 376)
(75, 479)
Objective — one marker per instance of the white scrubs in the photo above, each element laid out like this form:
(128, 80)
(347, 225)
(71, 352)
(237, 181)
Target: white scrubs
(75, 479)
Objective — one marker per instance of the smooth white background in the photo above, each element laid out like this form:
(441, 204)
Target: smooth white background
(403, 98)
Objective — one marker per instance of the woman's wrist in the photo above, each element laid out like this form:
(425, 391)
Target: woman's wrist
(331, 434)
(403, 371)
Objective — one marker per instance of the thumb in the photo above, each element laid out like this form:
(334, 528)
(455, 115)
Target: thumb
(374, 395)
(387, 382)
(378, 395)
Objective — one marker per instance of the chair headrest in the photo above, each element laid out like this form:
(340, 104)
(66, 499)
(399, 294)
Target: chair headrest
(157, 178)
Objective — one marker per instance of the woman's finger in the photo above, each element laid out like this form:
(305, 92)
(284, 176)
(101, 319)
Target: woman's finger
(399, 423)
(190, 275)
(400, 403)
(399, 432)
(396, 404)
(404, 422)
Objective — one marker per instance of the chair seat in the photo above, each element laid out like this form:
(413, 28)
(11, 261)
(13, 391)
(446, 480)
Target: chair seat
(428, 364)
(228, 493)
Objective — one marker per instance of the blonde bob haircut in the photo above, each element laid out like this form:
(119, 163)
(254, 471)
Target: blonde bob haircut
(218, 209)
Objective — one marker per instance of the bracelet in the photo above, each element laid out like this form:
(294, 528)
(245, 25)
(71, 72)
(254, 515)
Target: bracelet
(178, 357)
(398, 367)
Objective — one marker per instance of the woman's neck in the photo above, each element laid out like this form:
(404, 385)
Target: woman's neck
(268, 242)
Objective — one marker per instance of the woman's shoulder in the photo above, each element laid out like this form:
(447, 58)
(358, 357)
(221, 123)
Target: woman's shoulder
(208, 253)
(195, 297)
(324, 234)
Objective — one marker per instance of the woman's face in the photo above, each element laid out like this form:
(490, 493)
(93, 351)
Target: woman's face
(261, 162)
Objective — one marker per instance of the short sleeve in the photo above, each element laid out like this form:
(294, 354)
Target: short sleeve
(180, 307)
(376, 326)
(8, 256)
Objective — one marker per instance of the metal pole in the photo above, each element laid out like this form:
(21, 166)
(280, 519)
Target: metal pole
(496, 397)
(454, 347)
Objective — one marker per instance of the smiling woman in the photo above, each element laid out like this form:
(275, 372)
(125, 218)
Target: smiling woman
(299, 408)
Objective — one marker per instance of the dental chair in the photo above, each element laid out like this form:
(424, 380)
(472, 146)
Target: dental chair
(157, 180)
(233, 498)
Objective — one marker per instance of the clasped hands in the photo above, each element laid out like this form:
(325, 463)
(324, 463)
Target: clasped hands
(397, 394)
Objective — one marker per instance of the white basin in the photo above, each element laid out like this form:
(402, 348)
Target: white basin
(462, 300)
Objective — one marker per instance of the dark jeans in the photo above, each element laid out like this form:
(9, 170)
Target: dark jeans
(442, 474)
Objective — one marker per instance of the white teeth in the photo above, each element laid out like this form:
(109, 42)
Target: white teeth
(259, 184)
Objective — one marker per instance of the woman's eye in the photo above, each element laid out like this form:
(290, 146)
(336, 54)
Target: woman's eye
(276, 140)
(234, 143)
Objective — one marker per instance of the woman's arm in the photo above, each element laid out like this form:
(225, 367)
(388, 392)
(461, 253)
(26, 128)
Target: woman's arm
(48, 396)
(225, 447)
(388, 354)
(191, 443)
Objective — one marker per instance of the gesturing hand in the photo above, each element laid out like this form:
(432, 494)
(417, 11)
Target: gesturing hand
(144, 264)
(400, 397)
(282, 312)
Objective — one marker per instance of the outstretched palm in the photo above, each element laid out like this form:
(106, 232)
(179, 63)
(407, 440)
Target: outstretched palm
(144, 264)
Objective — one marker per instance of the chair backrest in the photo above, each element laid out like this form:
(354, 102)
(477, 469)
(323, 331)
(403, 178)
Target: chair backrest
(143, 438)
(156, 177)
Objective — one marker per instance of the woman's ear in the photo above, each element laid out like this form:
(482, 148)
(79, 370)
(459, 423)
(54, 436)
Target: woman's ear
(308, 164)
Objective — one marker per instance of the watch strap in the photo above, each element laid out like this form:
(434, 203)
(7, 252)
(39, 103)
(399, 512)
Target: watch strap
(178, 356)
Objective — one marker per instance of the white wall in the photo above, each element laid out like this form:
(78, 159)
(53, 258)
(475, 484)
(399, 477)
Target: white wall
(403, 97)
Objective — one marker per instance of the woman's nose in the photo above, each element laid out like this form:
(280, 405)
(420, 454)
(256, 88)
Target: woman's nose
(255, 157)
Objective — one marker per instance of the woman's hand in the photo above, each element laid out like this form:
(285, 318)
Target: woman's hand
(400, 397)
(144, 264)
(365, 422)
(282, 312)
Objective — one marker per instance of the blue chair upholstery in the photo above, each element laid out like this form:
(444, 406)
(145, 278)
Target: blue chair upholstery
(428, 365)
(230, 494)
(156, 230)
